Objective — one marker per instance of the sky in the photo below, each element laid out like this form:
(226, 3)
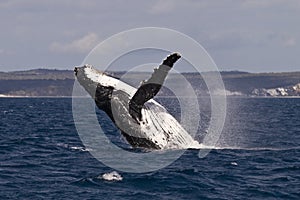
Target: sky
(244, 35)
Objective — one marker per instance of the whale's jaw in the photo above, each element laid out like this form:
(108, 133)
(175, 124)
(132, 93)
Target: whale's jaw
(90, 79)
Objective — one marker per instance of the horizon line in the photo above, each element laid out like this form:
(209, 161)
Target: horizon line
(150, 71)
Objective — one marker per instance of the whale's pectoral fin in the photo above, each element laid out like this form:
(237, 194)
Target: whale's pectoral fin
(150, 88)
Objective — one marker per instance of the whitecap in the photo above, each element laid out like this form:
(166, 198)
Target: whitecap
(78, 148)
(112, 176)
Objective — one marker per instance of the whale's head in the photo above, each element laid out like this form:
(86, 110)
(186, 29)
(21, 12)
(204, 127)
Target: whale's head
(87, 73)
(97, 83)
(95, 80)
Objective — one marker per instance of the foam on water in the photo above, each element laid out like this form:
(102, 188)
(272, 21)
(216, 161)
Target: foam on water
(112, 176)
(201, 146)
(79, 148)
(234, 163)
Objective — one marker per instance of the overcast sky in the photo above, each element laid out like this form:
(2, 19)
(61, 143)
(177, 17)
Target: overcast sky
(249, 35)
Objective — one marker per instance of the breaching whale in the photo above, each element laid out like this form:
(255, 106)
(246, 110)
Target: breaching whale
(142, 121)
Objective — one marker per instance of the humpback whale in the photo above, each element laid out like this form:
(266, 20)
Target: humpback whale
(142, 121)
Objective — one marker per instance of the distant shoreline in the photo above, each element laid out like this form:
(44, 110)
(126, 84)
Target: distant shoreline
(45, 83)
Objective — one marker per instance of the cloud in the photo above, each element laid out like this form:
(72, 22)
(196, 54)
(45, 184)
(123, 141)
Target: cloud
(231, 39)
(289, 42)
(270, 3)
(4, 52)
(230, 30)
(234, 39)
(259, 3)
(81, 45)
(167, 6)
(162, 6)
(282, 39)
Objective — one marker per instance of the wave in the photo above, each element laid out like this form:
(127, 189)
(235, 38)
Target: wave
(243, 148)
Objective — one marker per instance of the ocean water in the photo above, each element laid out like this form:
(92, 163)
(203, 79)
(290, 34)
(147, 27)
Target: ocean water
(258, 156)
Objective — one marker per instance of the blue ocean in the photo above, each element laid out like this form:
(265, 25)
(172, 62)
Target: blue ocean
(258, 156)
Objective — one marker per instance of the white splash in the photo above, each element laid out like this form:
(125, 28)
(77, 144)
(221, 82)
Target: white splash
(112, 176)
(234, 163)
(79, 148)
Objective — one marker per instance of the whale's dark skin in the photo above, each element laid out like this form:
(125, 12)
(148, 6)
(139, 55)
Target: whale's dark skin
(117, 103)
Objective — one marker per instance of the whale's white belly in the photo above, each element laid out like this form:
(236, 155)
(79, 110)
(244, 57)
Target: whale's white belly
(163, 129)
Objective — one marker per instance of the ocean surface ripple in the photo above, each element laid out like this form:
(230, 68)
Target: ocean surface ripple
(257, 156)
